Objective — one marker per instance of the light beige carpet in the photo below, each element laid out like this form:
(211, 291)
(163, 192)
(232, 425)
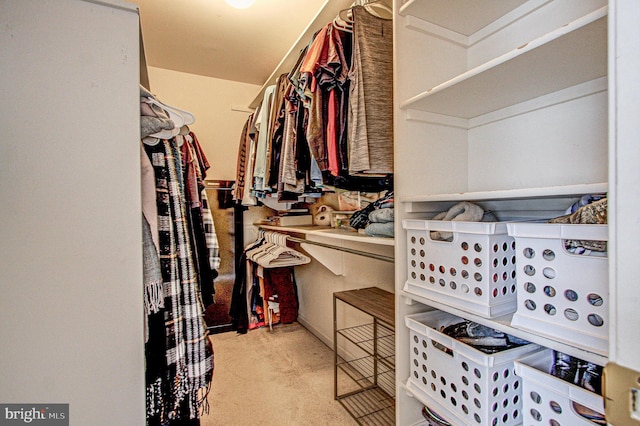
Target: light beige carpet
(284, 377)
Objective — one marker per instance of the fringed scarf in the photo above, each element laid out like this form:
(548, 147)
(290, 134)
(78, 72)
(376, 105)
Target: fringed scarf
(182, 387)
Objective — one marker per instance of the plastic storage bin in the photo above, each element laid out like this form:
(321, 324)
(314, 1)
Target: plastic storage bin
(475, 272)
(548, 400)
(561, 295)
(461, 383)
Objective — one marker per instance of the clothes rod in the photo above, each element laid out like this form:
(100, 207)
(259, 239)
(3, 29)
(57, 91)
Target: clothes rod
(345, 249)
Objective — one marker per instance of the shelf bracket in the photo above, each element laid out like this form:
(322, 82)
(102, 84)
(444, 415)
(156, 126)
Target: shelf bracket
(326, 256)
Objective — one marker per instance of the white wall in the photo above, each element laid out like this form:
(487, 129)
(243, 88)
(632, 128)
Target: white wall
(211, 100)
(70, 215)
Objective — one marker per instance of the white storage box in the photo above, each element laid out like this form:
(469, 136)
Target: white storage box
(475, 272)
(561, 295)
(548, 400)
(463, 384)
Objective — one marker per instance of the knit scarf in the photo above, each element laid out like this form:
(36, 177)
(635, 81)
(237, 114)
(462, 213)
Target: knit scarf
(182, 387)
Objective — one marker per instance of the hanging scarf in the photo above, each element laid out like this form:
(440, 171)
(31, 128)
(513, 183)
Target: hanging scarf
(188, 351)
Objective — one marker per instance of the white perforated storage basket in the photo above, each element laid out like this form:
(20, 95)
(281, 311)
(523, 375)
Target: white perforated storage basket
(461, 383)
(561, 295)
(548, 400)
(475, 272)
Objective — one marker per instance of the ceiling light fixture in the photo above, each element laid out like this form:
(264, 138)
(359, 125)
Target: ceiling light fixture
(240, 4)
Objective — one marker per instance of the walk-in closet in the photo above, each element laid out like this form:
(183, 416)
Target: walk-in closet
(329, 212)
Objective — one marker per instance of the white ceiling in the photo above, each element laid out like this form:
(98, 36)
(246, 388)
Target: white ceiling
(210, 38)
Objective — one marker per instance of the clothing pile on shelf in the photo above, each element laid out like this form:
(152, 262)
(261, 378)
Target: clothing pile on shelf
(265, 290)
(329, 121)
(376, 218)
(180, 260)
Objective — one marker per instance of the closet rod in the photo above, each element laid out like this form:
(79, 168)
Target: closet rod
(345, 249)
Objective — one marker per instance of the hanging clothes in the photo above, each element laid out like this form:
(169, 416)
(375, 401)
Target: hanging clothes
(265, 273)
(263, 146)
(210, 234)
(277, 129)
(238, 310)
(329, 120)
(181, 389)
(241, 164)
(176, 267)
(288, 184)
(371, 98)
(193, 171)
(330, 71)
(280, 284)
(248, 198)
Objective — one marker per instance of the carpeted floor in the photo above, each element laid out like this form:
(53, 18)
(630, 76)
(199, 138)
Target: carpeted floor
(284, 377)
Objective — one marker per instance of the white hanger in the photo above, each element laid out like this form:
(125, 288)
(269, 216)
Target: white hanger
(344, 19)
(274, 253)
(377, 4)
(179, 117)
(148, 140)
(344, 24)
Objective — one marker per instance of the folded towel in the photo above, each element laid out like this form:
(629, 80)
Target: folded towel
(379, 229)
(461, 212)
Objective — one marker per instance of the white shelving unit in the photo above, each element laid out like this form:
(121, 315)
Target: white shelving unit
(504, 104)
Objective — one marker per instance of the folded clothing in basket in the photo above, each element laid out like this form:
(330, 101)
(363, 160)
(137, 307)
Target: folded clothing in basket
(576, 371)
(483, 338)
(594, 213)
(461, 212)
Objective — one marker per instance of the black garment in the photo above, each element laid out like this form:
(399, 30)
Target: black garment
(201, 257)
(302, 152)
(360, 219)
(238, 310)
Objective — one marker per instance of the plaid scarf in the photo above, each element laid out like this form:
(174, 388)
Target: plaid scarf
(181, 388)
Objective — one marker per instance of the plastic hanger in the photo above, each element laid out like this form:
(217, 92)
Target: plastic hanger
(178, 116)
(151, 141)
(344, 19)
(377, 4)
(344, 24)
(273, 252)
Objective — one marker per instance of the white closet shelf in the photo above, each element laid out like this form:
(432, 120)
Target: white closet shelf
(503, 324)
(467, 18)
(569, 56)
(526, 199)
(331, 233)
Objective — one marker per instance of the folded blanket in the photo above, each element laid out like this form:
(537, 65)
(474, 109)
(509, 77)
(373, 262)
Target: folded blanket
(382, 215)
